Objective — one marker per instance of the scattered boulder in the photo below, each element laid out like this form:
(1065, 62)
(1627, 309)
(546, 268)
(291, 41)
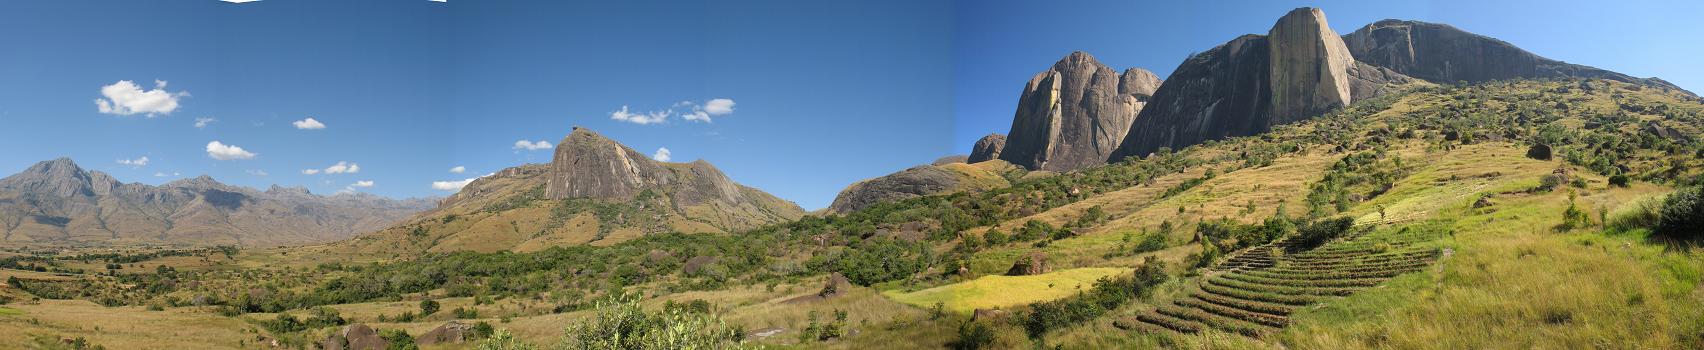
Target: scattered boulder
(355, 337)
(696, 264)
(1539, 151)
(987, 148)
(836, 285)
(1034, 263)
(766, 332)
(449, 333)
(1484, 201)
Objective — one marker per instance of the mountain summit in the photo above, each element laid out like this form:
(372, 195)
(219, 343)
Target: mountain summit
(1075, 114)
(594, 191)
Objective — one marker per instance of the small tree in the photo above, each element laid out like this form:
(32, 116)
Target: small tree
(428, 307)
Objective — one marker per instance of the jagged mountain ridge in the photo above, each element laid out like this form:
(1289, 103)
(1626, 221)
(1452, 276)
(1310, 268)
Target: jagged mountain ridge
(58, 202)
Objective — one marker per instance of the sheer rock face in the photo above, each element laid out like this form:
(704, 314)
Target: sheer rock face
(1215, 94)
(1309, 67)
(58, 202)
(1244, 87)
(987, 148)
(587, 165)
(1075, 114)
(1444, 54)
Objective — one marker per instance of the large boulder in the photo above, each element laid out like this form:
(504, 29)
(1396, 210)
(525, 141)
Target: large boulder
(1030, 264)
(355, 337)
(1075, 114)
(913, 182)
(987, 148)
(1441, 53)
(449, 333)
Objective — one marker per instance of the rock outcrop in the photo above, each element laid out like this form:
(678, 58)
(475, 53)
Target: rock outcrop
(922, 180)
(58, 202)
(1441, 53)
(1308, 67)
(1244, 87)
(987, 148)
(1075, 114)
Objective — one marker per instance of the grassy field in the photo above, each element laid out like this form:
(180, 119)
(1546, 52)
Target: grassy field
(997, 291)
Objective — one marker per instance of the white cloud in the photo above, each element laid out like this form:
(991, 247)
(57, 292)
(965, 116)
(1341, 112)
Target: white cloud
(455, 185)
(452, 185)
(221, 151)
(256, 172)
(715, 107)
(163, 174)
(343, 168)
(720, 106)
(458, 169)
(138, 162)
(310, 171)
(202, 122)
(308, 124)
(662, 155)
(640, 118)
(126, 98)
(362, 184)
(531, 145)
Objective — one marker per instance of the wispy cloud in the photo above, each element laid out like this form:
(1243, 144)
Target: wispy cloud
(202, 122)
(221, 151)
(138, 162)
(362, 184)
(308, 124)
(531, 145)
(662, 155)
(458, 169)
(256, 172)
(713, 108)
(654, 117)
(127, 98)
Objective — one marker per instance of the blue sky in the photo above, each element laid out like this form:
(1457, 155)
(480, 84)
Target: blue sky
(801, 97)
(809, 97)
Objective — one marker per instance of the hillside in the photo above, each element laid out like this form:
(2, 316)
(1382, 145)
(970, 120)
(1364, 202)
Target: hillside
(595, 192)
(58, 203)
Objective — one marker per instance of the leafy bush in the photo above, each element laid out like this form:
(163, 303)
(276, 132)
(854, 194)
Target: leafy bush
(428, 307)
(974, 335)
(1107, 294)
(622, 324)
(1619, 180)
(503, 340)
(1682, 215)
(1317, 233)
(1644, 214)
(399, 340)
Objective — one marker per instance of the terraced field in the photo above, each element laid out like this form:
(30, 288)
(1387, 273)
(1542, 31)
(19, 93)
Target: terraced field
(1253, 292)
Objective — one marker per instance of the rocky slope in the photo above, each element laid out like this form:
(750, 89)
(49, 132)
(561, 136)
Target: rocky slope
(924, 180)
(1075, 114)
(57, 202)
(1243, 87)
(594, 191)
(1441, 53)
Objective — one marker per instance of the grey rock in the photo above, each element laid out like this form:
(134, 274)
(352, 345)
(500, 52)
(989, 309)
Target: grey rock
(1308, 67)
(987, 148)
(909, 183)
(1441, 53)
(1075, 114)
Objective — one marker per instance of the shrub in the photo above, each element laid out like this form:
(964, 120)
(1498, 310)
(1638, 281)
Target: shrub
(974, 335)
(1539, 151)
(502, 340)
(1107, 294)
(399, 340)
(1682, 215)
(1317, 233)
(622, 324)
(428, 307)
(1151, 242)
(1619, 180)
(1644, 214)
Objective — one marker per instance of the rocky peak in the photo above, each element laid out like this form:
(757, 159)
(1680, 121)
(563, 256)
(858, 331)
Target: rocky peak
(59, 178)
(987, 148)
(588, 165)
(1309, 66)
(1075, 114)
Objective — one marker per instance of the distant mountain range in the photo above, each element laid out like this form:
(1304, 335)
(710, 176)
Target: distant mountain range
(57, 202)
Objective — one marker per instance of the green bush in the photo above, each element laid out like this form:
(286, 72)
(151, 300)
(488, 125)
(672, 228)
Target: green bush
(1682, 215)
(974, 335)
(428, 307)
(1107, 294)
(399, 340)
(502, 340)
(1619, 180)
(622, 324)
(1317, 233)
